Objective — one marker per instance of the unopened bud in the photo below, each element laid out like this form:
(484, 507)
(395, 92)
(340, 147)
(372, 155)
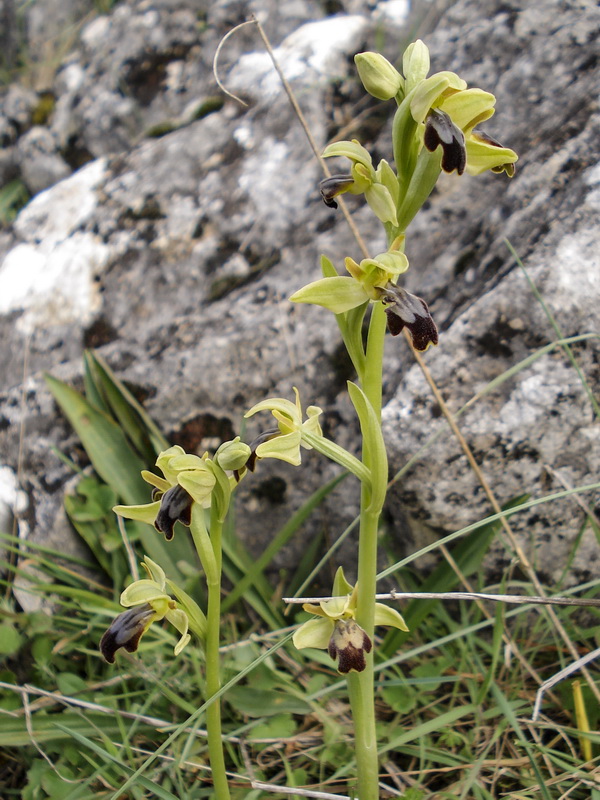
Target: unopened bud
(380, 78)
(233, 455)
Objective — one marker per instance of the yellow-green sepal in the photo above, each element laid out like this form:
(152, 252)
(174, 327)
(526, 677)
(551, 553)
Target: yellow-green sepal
(142, 591)
(482, 156)
(385, 615)
(337, 294)
(341, 587)
(144, 513)
(381, 202)
(352, 150)
(314, 633)
(430, 90)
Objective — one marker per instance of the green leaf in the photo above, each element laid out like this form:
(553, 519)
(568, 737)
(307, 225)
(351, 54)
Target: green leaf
(278, 727)
(152, 787)
(374, 444)
(112, 458)
(255, 702)
(10, 639)
(133, 418)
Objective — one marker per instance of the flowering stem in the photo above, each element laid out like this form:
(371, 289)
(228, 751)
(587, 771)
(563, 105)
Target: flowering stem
(213, 618)
(361, 684)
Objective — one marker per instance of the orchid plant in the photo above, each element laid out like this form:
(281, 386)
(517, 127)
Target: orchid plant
(435, 130)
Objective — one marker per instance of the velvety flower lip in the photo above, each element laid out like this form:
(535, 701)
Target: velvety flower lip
(348, 644)
(440, 130)
(175, 506)
(126, 630)
(265, 436)
(333, 186)
(404, 309)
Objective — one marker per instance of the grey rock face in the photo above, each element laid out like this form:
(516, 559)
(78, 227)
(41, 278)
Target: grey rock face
(179, 253)
(39, 160)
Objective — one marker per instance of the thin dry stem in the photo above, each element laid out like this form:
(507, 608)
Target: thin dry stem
(518, 599)
(216, 62)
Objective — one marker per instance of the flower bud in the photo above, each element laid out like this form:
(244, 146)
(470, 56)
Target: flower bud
(380, 78)
(415, 64)
(233, 455)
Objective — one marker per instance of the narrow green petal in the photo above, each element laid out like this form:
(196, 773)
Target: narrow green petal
(144, 591)
(385, 615)
(146, 513)
(285, 448)
(314, 633)
(154, 480)
(311, 608)
(336, 294)
(155, 572)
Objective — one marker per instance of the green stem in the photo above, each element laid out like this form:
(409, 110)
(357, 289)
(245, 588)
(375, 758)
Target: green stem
(361, 684)
(213, 677)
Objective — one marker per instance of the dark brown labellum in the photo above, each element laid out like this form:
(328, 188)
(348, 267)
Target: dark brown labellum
(126, 631)
(441, 131)
(334, 185)
(175, 506)
(406, 310)
(348, 644)
(262, 437)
